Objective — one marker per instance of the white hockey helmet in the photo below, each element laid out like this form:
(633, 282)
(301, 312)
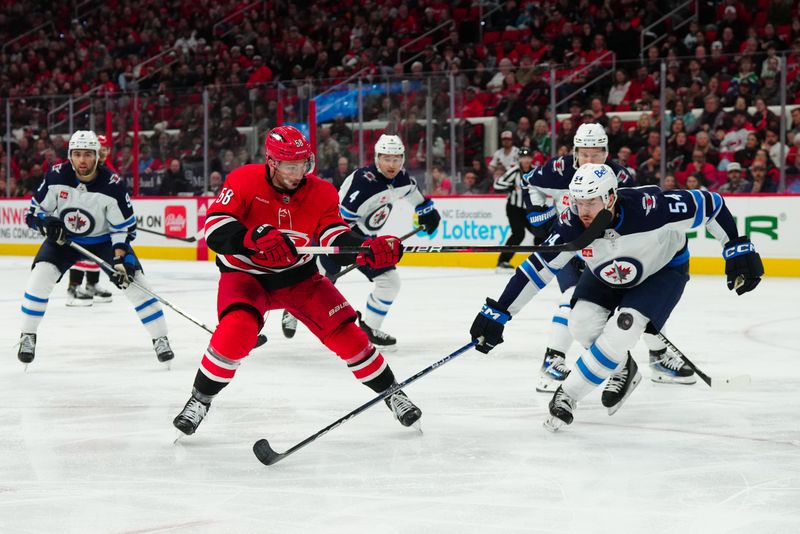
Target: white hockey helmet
(590, 135)
(84, 140)
(391, 145)
(591, 181)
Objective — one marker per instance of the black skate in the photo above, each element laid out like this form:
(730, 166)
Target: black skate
(79, 297)
(554, 371)
(27, 348)
(403, 409)
(377, 337)
(163, 351)
(504, 267)
(561, 408)
(620, 385)
(669, 368)
(98, 293)
(191, 416)
(288, 324)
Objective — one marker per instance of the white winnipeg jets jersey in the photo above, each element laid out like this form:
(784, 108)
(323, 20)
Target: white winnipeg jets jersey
(366, 198)
(94, 212)
(648, 234)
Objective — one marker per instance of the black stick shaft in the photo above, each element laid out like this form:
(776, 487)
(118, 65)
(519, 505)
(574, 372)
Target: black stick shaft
(704, 377)
(267, 456)
(187, 239)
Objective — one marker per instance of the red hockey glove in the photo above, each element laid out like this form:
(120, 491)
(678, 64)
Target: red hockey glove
(274, 248)
(384, 251)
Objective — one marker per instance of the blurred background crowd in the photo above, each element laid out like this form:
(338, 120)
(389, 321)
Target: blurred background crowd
(186, 89)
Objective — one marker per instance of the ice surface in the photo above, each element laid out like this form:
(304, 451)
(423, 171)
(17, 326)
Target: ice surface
(86, 441)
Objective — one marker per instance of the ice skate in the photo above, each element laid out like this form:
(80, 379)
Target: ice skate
(98, 293)
(620, 385)
(27, 348)
(163, 350)
(403, 409)
(668, 368)
(561, 408)
(79, 297)
(504, 267)
(378, 338)
(288, 324)
(191, 416)
(553, 373)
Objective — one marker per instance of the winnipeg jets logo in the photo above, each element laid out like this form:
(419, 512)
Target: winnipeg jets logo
(617, 273)
(378, 218)
(620, 272)
(77, 222)
(648, 203)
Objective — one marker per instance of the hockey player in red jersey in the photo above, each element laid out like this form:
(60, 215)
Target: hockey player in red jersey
(259, 218)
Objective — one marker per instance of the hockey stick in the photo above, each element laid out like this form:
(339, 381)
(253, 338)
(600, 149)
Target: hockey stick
(353, 267)
(594, 231)
(735, 382)
(288, 332)
(98, 260)
(267, 455)
(191, 239)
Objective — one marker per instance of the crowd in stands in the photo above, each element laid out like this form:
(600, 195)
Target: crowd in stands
(254, 57)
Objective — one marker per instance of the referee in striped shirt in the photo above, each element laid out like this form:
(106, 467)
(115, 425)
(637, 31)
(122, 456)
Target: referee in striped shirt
(511, 182)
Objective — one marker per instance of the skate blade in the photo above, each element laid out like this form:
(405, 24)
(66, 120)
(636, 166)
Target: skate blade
(553, 424)
(383, 349)
(178, 436)
(103, 300)
(24, 367)
(79, 304)
(168, 365)
(634, 384)
(417, 425)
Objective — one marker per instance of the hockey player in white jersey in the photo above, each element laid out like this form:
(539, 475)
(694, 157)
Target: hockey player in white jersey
(365, 202)
(635, 274)
(81, 202)
(546, 196)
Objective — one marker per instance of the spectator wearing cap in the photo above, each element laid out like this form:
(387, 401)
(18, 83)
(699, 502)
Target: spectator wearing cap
(769, 91)
(472, 107)
(507, 155)
(261, 74)
(735, 183)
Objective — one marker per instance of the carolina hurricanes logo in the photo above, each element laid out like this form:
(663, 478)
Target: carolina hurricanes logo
(299, 239)
(77, 222)
(620, 272)
(558, 166)
(648, 203)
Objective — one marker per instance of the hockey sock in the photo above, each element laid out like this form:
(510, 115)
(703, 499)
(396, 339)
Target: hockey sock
(41, 282)
(387, 286)
(92, 277)
(560, 337)
(75, 277)
(148, 308)
(350, 343)
(608, 353)
(231, 342)
(653, 343)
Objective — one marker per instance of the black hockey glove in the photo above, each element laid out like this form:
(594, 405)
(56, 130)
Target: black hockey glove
(427, 216)
(52, 228)
(487, 328)
(743, 265)
(124, 270)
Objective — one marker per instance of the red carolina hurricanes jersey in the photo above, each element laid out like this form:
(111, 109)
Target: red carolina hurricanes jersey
(308, 215)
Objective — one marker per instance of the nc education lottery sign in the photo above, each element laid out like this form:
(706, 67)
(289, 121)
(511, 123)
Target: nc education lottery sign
(773, 223)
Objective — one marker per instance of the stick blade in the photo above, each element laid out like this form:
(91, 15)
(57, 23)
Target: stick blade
(264, 452)
(735, 382)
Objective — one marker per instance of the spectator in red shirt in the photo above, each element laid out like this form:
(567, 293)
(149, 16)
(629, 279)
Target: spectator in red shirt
(472, 106)
(699, 167)
(261, 73)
